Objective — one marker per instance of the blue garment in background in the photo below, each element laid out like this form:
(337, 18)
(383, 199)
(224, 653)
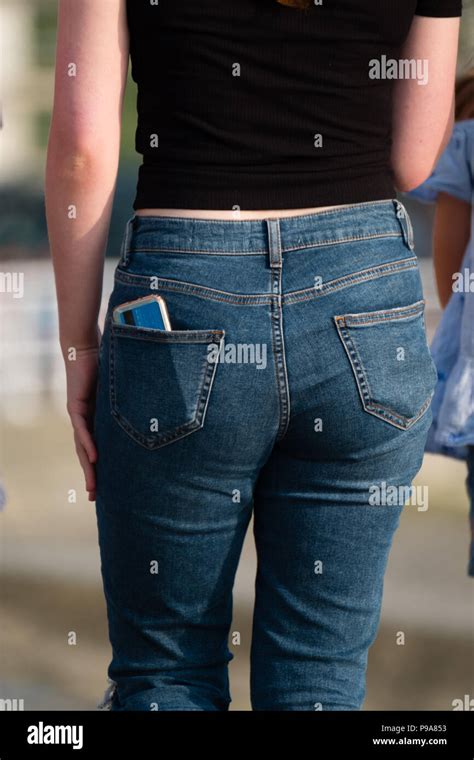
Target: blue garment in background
(452, 430)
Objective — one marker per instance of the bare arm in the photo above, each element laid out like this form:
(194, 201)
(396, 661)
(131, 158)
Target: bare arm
(81, 173)
(452, 226)
(82, 158)
(423, 113)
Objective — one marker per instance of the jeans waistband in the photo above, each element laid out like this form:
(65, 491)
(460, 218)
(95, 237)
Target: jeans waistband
(270, 236)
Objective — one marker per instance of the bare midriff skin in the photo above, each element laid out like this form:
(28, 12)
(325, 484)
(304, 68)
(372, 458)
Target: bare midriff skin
(236, 214)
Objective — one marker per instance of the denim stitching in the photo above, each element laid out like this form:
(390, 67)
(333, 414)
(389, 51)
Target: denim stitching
(278, 344)
(316, 244)
(380, 409)
(362, 381)
(383, 315)
(200, 251)
(201, 291)
(168, 336)
(336, 241)
(365, 275)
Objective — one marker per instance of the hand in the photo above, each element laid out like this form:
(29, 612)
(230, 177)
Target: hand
(81, 373)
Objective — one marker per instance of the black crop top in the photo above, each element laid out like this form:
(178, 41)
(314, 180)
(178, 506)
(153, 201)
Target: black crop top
(253, 104)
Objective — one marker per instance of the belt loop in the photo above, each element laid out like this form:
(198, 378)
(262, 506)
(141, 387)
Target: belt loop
(125, 248)
(274, 242)
(411, 239)
(405, 223)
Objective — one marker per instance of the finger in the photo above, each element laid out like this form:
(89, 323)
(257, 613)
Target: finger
(87, 467)
(85, 437)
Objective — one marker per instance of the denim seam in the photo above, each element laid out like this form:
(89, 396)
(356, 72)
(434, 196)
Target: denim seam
(285, 404)
(166, 336)
(336, 241)
(260, 252)
(383, 315)
(278, 347)
(179, 431)
(201, 291)
(200, 251)
(365, 275)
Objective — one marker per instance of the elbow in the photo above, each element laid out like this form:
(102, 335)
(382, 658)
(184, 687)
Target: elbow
(412, 167)
(79, 155)
(70, 158)
(409, 181)
(79, 166)
(409, 177)
(406, 181)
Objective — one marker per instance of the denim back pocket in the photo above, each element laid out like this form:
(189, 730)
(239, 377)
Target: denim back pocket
(391, 361)
(160, 381)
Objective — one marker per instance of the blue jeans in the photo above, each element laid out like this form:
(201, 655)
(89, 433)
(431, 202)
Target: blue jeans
(294, 387)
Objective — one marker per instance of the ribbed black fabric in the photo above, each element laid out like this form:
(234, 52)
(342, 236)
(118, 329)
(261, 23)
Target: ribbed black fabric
(253, 104)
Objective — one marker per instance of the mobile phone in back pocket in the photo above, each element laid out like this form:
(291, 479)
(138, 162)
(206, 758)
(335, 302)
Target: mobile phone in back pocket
(149, 311)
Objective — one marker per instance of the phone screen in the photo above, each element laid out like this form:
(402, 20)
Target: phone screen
(147, 314)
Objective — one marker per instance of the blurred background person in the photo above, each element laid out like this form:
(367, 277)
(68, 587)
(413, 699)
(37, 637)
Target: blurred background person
(451, 188)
